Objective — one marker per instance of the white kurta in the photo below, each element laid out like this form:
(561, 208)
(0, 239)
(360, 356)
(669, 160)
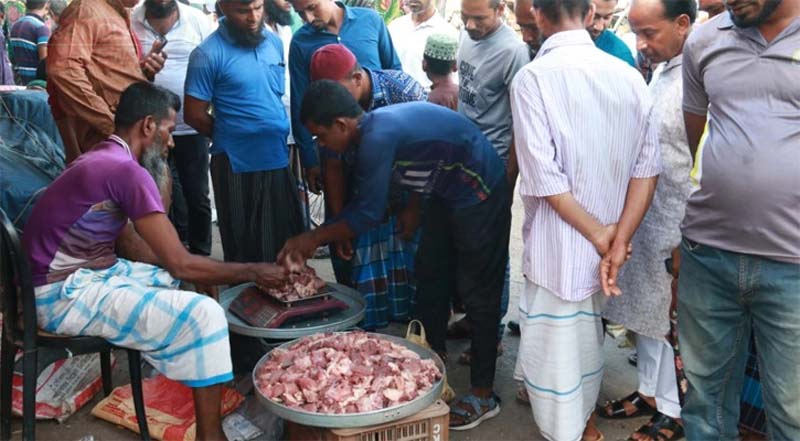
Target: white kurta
(644, 306)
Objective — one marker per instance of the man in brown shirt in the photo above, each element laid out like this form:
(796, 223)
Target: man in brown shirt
(92, 57)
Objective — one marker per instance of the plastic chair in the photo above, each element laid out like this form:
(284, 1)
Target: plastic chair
(21, 332)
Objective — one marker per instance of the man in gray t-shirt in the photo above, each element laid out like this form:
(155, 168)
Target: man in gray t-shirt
(740, 257)
(489, 55)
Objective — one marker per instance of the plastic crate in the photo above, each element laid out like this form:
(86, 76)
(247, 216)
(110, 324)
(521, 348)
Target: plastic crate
(431, 424)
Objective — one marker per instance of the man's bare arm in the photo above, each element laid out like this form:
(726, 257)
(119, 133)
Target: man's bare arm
(131, 246)
(637, 201)
(161, 237)
(195, 113)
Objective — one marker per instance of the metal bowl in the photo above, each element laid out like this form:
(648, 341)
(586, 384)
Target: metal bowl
(350, 420)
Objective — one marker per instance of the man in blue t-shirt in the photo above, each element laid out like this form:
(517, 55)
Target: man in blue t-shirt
(429, 150)
(604, 39)
(28, 38)
(239, 69)
(361, 30)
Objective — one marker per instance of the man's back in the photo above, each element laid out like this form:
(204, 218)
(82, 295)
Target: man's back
(435, 150)
(587, 130)
(25, 37)
(76, 221)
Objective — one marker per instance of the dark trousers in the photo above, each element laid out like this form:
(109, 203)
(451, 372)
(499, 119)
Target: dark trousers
(256, 211)
(191, 206)
(465, 250)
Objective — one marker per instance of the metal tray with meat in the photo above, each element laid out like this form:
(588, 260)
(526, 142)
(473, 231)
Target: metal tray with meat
(348, 379)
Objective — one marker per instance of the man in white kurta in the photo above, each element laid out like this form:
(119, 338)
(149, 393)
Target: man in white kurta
(589, 159)
(410, 32)
(661, 34)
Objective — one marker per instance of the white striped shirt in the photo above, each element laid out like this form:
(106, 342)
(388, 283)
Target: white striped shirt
(582, 123)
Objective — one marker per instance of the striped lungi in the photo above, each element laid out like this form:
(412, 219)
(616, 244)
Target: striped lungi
(561, 359)
(383, 272)
(256, 211)
(184, 335)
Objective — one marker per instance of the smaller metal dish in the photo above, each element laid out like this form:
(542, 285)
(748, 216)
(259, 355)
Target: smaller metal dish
(351, 420)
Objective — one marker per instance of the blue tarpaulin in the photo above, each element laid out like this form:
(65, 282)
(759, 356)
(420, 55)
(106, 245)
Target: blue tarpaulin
(31, 151)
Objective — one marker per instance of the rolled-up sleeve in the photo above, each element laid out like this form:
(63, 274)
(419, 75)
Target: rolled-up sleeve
(695, 99)
(539, 161)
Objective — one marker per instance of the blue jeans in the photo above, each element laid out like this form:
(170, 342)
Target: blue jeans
(721, 295)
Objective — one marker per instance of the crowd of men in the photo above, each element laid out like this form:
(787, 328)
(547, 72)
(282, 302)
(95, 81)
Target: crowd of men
(660, 190)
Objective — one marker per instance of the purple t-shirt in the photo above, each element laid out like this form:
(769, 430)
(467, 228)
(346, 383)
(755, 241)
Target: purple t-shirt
(76, 221)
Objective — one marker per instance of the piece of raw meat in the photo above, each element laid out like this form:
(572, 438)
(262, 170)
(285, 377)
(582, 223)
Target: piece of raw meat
(300, 284)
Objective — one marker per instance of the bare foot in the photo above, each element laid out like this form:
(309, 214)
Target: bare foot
(591, 432)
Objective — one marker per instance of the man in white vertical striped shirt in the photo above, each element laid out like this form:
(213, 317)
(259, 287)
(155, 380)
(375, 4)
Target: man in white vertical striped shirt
(589, 159)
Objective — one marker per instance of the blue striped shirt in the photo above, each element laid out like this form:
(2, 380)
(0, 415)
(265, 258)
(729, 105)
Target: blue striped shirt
(420, 147)
(25, 37)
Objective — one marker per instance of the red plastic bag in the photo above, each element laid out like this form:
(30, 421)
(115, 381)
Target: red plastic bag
(169, 407)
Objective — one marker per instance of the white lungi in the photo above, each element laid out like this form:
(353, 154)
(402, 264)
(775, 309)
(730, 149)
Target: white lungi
(561, 356)
(184, 335)
(656, 365)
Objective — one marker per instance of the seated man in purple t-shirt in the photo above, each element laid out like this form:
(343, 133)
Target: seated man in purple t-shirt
(82, 285)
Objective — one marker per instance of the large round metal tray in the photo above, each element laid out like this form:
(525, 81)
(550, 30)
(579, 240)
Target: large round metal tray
(344, 421)
(337, 321)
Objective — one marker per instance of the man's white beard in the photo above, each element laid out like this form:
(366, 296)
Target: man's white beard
(156, 165)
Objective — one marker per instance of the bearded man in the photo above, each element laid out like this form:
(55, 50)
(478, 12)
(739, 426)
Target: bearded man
(240, 70)
(83, 286)
(185, 28)
(739, 272)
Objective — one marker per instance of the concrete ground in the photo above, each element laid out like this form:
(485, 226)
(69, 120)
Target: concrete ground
(515, 421)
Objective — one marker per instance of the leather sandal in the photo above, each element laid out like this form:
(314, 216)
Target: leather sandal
(618, 411)
(662, 422)
(659, 423)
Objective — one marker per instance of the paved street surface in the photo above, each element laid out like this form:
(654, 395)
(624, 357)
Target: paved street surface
(515, 421)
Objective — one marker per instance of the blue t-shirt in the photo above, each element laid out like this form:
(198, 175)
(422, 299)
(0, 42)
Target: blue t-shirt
(245, 86)
(420, 147)
(26, 36)
(364, 33)
(613, 45)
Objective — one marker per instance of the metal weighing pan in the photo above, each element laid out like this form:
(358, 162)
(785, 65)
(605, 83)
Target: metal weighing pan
(337, 321)
(345, 421)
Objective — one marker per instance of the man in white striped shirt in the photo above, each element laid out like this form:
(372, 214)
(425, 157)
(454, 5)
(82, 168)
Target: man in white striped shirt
(589, 159)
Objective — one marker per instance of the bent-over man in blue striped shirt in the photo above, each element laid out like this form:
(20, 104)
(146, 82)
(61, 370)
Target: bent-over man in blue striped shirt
(433, 151)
